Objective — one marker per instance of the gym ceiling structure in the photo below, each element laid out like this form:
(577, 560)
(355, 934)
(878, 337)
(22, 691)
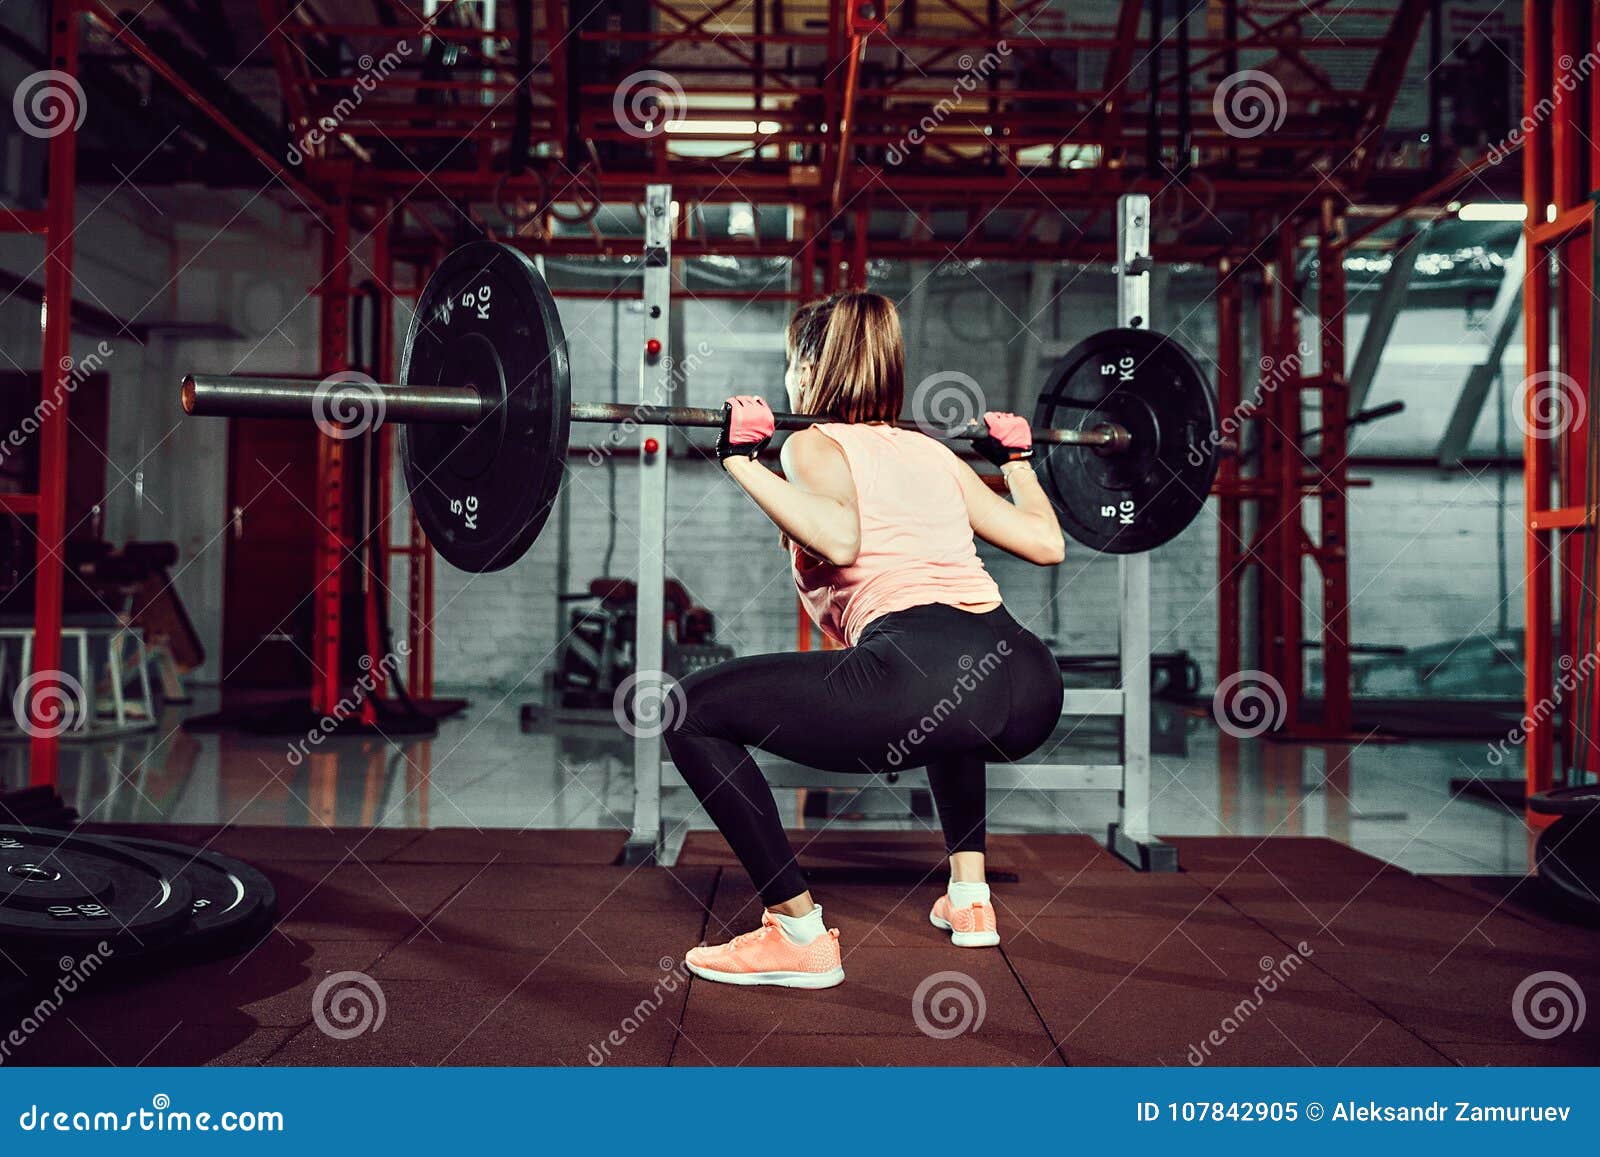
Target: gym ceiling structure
(383, 343)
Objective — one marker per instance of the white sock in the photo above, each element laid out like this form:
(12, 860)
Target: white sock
(964, 895)
(802, 929)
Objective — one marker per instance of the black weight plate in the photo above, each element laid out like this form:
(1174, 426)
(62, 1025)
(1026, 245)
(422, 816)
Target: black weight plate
(482, 492)
(63, 894)
(1132, 501)
(232, 900)
(1566, 801)
(1568, 861)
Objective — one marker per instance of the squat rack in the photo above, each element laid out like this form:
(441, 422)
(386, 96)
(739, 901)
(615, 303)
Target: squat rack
(650, 839)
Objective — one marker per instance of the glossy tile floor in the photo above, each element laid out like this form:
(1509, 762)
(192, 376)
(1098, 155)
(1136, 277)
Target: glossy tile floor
(1391, 800)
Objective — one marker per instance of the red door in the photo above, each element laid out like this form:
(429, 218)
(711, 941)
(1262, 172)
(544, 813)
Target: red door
(266, 608)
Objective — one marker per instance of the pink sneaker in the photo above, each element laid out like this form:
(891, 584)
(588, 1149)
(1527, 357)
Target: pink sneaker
(767, 956)
(970, 927)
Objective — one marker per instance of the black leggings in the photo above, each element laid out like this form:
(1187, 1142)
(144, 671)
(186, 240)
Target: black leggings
(932, 687)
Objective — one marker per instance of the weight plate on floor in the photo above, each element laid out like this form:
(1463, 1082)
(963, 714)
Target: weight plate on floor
(1566, 801)
(1135, 500)
(487, 320)
(233, 902)
(61, 895)
(1567, 857)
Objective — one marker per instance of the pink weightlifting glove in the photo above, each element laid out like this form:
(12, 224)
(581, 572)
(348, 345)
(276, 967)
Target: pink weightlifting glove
(1010, 438)
(747, 427)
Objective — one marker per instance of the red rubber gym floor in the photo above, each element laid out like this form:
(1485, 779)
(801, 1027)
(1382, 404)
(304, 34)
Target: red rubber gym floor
(498, 948)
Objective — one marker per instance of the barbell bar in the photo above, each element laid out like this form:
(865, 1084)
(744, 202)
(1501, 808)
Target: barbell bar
(1127, 425)
(247, 396)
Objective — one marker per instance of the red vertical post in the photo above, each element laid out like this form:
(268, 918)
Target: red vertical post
(419, 617)
(1268, 593)
(1333, 556)
(54, 366)
(1229, 505)
(858, 254)
(1284, 569)
(332, 545)
(419, 591)
(1566, 133)
(1538, 748)
(808, 258)
(382, 444)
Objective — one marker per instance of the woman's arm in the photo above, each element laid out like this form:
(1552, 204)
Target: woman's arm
(815, 503)
(1026, 526)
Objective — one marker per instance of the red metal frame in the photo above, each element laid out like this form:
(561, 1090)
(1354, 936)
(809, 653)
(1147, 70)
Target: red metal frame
(827, 70)
(1331, 553)
(1559, 165)
(55, 363)
(1286, 475)
(333, 544)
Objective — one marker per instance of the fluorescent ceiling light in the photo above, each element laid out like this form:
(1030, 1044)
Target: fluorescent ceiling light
(734, 128)
(1492, 211)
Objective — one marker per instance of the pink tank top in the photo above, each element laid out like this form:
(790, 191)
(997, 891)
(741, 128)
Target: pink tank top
(916, 542)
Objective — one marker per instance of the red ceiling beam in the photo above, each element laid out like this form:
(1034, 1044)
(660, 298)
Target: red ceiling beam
(889, 248)
(1384, 80)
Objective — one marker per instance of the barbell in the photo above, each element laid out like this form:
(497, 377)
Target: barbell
(485, 410)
